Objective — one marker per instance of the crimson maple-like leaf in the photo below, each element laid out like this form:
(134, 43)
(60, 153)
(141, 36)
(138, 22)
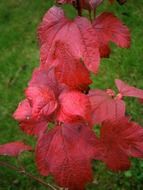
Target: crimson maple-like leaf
(104, 106)
(69, 70)
(28, 124)
(110, 29)
(66, 152)
(78, 34)
(14, 148)
(120, 140)
(42, 99)
(74, 105)
(127, 90)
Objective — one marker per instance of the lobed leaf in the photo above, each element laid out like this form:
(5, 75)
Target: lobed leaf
(120, 140)
(127, 90)
(110, 29)
(66, 153)
(78, 34)
(42, 99)
(28, 124)
(105, 106)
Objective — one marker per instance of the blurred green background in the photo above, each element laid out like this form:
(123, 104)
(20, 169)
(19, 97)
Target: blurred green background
(19, 55)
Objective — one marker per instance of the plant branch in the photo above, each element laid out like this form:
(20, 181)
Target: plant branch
(79, 7)
(24, 172)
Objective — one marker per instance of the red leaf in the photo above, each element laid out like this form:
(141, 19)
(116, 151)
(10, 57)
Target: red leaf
(126, 90)
(74, 105)
(43, 76)
(70, 70)
(42, 99)
(28, 124)
(105, 107)
(33, 127)
(119, 140)
(66, 153)
(78, 34)
(23, 112)
(109, 28)
(14, 148)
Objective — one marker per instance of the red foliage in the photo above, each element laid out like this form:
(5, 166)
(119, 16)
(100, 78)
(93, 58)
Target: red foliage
(120, 140)
(126, 90)
(64, 152)
(78, 34)
(58, 93)
(13, 148)
(106, 32)
(105, 106)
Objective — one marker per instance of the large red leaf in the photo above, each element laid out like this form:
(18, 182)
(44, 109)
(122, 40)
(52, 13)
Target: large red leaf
(119, 140)
(109, 28)
(126, 90)
(78, 34)
(66, 152)
(14, 148)
(105, 106)
(74, 105)
(69, 70)
(29, 125)
(42, 99)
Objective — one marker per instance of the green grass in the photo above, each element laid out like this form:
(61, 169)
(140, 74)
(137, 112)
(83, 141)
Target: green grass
(19, 54)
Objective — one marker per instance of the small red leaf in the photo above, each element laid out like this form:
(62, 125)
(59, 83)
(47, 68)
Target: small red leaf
(119, 140)
(66, 153)
(29, 125)
(14, 148)
(109, 28)
(105, 107)
(23, 112)
(42, 99)
(73, 105)
(126, 90)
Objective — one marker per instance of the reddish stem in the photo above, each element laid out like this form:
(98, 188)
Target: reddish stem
(79, 8)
